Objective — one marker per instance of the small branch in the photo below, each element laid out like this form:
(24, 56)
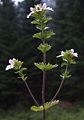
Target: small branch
(62, 81)
(58, 89)
(43, 94)
(31, 93)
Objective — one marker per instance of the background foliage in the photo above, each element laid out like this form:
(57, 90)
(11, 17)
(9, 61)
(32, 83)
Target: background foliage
(16, 41)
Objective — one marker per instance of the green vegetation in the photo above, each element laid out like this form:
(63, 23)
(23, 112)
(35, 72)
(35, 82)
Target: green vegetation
(56, 113)
(15, 41)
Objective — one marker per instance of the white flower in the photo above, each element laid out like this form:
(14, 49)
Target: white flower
(44, 7)
(73, 53)
(32, 11)
(12, 63)
(39, 8)
(62, 54)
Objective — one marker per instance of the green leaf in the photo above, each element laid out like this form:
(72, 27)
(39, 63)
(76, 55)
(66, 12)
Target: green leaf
(45, 67)
(47, 106)
(45, 20)
(23, 77)
(63, 64)
(43, 27)
(36, 22)
(21, 70)
(65, 75)
(48, 34)
(37, 35)
(44, 47)
(72, 62)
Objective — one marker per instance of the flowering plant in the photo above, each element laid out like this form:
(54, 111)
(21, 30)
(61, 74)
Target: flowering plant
(41, 20)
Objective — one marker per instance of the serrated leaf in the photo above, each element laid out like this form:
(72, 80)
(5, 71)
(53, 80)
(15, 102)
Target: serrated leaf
(37, 35)
(44, 47)
(47, 19)
(47, 106)
(48, 34)
(42, 27)
(36, 22)
(45, 67)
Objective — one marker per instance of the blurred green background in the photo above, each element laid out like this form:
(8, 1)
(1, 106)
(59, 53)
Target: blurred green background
(16, 42)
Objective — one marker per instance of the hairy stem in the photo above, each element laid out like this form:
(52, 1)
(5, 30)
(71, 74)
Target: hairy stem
(62, 81)
(44, 74)
(31, 93)
(43, 84)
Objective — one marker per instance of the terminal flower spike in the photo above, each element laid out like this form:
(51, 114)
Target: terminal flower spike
(39, 8)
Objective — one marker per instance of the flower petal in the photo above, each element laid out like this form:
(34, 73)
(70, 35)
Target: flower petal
(30, 14)
(32, 9)
(75, 54)
(59, 56)
(48, 8)
(72, 50)
(11, 61)
(9, 67)
(44, 6)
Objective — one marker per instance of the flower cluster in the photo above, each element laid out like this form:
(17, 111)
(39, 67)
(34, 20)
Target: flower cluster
(14, 64)
(39, 8)
(70, 51)
(68, 56)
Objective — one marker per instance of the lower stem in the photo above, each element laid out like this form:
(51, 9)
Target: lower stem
(43, 88)
(43, 94)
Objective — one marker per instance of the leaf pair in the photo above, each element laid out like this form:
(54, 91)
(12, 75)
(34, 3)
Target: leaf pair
(45, 35)
(47, 105)
(45, 67)
(44, 47)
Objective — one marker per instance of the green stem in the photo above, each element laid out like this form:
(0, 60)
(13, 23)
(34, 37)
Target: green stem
(27, 86)
(43, 87)
(44, 76)
(62, 81)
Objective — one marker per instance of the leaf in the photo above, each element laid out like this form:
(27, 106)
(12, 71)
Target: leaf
(48, 34)
(73, 62)
(43, 27)
(37, 35)
(47, 19)
(45, 67)
(21, 70)
(65, 75)
(36, 22)
(63, 64)
(44, 47)
(23, 77)
(47, 106)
